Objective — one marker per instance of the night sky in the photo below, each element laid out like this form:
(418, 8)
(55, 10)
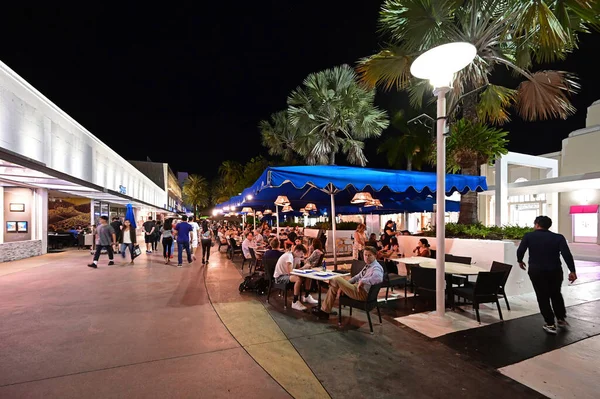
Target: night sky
(189, 85)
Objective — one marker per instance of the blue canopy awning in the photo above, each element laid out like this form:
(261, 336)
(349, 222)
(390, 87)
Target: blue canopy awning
(303, 184)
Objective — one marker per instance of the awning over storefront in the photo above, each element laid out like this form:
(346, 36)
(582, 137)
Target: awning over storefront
(28, 173)
(583, 209)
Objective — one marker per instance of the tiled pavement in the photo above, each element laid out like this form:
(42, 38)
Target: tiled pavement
(153, 330)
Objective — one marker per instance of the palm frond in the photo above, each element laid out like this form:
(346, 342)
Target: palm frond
(389, 69)
(494, 102)
(545, 95)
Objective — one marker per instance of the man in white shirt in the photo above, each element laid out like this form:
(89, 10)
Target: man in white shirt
(246, 244)
(258, 238)
(283, 270)
(194, 242)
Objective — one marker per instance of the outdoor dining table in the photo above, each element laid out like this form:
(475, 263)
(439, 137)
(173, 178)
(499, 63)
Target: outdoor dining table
(319, 276)
(450, 268)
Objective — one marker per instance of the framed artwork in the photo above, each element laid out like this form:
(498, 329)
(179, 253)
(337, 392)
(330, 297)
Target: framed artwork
(17, 207)
(11, 227)
(22, 227)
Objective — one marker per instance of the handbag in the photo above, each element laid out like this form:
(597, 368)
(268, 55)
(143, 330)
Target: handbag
(136, 251)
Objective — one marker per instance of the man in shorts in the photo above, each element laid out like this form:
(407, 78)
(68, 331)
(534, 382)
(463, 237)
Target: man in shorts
(106, 239)
(283, 272)
(194, 242)
(149, 228)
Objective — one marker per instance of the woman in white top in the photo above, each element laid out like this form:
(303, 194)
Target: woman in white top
(360, 238)
(127, 239)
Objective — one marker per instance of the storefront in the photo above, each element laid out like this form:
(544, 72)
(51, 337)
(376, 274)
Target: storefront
(55, 175)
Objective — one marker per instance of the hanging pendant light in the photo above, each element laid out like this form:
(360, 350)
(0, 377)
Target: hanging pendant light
(247, 209)
(287, 208)
(267, 212)
(302, 210)
(374, 202)
(282, 200)
(361, 198)
(310, 207)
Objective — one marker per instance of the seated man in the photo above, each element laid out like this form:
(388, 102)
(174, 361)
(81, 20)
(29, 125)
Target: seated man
(274, 252)
(357, 287)
(247, 244)
(283, 273)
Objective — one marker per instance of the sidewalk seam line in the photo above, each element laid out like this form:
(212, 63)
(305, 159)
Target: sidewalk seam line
(120, 366)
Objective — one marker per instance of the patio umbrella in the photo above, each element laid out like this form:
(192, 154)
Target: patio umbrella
(129, 215)
(322, 184)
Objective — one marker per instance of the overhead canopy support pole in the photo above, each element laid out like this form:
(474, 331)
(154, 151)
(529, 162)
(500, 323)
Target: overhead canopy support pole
(277, 215)
(333, 227)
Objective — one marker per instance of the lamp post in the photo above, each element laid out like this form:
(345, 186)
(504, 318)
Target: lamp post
(438, 65)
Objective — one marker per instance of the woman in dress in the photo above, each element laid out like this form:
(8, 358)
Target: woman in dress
(360, 238)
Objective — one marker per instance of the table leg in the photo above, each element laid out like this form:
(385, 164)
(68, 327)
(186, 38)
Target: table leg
(319, 289)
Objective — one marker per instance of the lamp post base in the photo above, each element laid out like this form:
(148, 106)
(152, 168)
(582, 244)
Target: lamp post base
(440, 319)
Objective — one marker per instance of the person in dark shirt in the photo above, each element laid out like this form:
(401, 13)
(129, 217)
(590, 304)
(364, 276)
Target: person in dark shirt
(545, 270)
(182, 233)
(117, 225)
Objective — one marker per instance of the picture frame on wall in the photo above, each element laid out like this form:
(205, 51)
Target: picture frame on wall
(17, 207)
(21, 227)
(11, 227)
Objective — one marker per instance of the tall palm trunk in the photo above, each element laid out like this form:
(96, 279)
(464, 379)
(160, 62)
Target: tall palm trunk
(332, 158)
(468, 201)
(409, 163)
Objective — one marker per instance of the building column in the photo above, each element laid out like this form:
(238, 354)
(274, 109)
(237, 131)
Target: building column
(501, 188)
(39, 217)
(553, 205)
(2, 215)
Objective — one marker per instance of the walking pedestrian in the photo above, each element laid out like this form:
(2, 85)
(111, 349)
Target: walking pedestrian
(149, 228)
(206, 235)
(183, 232)
(127, 239)
(545, 270)
(167, 240)
(106, 239)
(195, 233)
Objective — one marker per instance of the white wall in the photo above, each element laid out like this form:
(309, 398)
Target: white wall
(483, 253)
(32, 126)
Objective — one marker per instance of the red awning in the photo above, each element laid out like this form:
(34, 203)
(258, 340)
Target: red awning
(583, 209)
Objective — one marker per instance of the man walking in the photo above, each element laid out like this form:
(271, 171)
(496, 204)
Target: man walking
(183, 232)
(149, 229)
(117, 225)
(545, 270)
(106, 239)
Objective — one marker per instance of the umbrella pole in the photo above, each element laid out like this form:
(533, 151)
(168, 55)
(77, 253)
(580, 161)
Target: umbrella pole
(333, 229)
(277, 214)
(254, 220)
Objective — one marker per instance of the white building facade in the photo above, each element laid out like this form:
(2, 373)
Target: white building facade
(44, 153)
(564, 185)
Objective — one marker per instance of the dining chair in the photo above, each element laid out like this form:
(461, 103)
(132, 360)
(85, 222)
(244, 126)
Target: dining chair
(485, 290)
(367, 305)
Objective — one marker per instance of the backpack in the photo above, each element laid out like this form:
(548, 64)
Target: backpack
(255, 282)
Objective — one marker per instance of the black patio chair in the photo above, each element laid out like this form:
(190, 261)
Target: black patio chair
(423, 280)
(506, 268)
(485, 290)
(391, 280)
(269, 265)
(357, 266)
(234, 248)
(367, 305)
(457, 279)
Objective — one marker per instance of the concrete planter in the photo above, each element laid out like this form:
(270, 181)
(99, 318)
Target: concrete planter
(483, 253)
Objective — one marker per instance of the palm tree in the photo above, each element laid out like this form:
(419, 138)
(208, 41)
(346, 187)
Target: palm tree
(512, 34)
(252, 171)
(469, 145)
(195, 192)
(230, 173)
(333, 113)
(413, 145)
(280, 137)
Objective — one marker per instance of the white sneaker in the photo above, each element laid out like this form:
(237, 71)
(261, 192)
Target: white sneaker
(309, 299)
(298, 306)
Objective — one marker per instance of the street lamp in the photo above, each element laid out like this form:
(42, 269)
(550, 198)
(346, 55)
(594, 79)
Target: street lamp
(439, 65)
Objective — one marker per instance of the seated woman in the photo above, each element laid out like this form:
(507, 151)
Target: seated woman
(422, 248)
(373, 241)
(391, 253)
(313, 259)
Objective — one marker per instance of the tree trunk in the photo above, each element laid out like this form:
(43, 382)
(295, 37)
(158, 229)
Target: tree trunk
(409, 164)
(332, 158)
(468, 202)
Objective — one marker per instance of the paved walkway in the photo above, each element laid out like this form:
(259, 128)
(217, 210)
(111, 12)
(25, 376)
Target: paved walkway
(153, 330)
